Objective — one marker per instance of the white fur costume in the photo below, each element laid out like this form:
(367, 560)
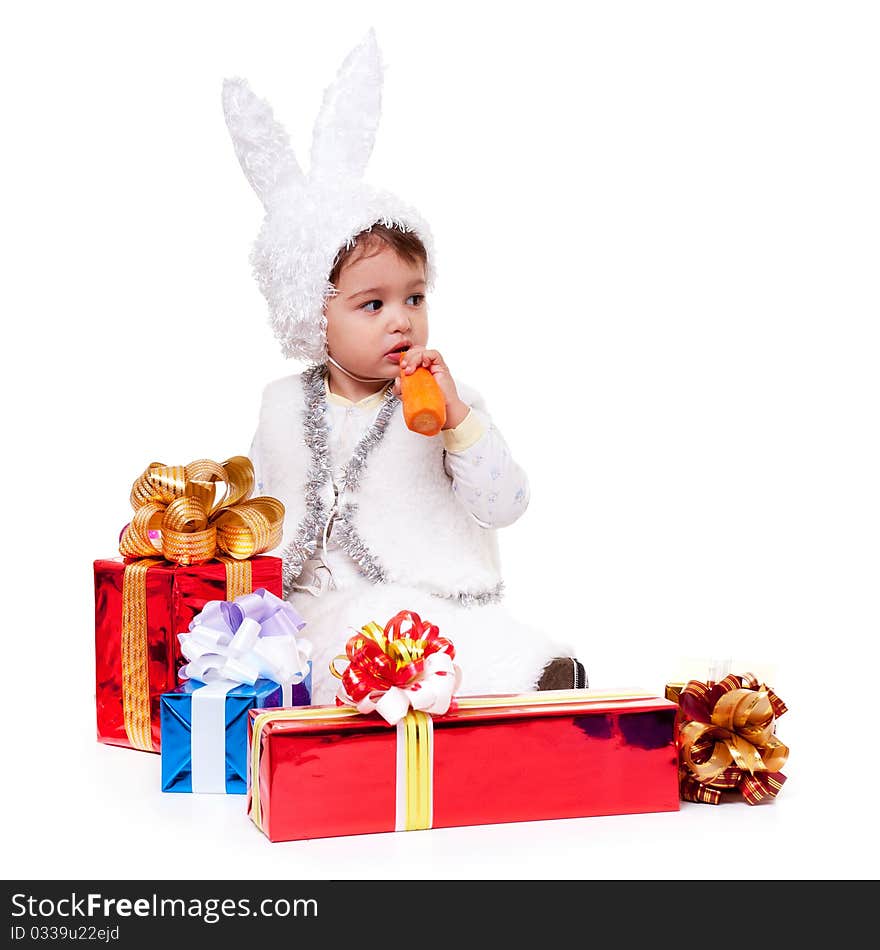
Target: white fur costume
(405, 541)
(395, 515)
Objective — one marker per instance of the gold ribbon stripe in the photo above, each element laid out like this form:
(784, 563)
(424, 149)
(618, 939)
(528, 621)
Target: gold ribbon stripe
(135, 666)
(239, 578)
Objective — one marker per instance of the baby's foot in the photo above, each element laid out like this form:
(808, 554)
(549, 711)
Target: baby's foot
(563, 672)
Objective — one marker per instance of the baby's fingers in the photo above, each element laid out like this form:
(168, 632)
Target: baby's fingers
(412, 359)
(435, 362)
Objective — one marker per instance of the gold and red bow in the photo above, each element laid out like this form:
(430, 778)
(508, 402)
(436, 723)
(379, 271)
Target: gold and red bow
(178, 516)
(380, 659)
(727, 740)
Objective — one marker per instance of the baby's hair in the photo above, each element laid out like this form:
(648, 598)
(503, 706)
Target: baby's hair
(406, 244)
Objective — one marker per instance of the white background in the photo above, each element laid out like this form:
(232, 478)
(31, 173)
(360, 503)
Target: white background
(657, 228)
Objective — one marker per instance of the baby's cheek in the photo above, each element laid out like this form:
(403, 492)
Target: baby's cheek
(419, 332)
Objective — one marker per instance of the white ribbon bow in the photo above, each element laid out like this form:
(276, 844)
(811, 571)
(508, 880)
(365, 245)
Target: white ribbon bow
(431, 692)
(241, 640)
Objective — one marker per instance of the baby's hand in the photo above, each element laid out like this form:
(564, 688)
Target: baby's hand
(417, 356)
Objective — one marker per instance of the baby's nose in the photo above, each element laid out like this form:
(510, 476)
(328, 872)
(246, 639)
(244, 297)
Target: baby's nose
(398, 318)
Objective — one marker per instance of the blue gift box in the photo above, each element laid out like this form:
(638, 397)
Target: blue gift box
(177, 730)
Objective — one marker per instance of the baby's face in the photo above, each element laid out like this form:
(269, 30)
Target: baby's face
(380, 308)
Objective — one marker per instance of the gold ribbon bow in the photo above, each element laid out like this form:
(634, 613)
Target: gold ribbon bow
(178, 504)
(727, 740)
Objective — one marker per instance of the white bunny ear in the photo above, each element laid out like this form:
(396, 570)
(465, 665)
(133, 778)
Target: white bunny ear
(261, 142)
(345, 129)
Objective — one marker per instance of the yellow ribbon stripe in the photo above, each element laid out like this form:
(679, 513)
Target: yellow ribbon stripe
(554, 698)
(419, 778)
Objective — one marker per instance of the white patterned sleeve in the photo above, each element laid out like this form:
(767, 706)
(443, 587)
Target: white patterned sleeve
(485, 478)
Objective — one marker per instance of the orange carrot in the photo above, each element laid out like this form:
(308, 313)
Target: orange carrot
(424, 408)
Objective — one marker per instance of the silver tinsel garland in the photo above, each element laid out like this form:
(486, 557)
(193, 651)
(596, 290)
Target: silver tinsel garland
(468, 599)
(370, 439)
(304, 544)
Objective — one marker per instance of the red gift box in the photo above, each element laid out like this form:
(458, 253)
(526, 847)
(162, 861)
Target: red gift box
(325, 770)
(174, 595)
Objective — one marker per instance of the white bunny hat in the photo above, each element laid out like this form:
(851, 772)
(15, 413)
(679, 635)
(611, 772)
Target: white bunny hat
(310, 218)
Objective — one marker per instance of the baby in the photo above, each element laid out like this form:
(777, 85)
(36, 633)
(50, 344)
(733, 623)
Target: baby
(378, 518)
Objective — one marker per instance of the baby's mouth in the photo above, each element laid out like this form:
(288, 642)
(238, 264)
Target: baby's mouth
(397, 352)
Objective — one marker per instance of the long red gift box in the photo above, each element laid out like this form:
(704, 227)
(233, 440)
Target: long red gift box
(174, 595)
(325, 771)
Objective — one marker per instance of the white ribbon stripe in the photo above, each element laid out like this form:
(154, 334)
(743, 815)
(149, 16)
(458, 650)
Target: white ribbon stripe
(208, 755)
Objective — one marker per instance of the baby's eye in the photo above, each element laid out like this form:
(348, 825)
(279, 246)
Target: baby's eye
(418, 299)
(368, 306)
